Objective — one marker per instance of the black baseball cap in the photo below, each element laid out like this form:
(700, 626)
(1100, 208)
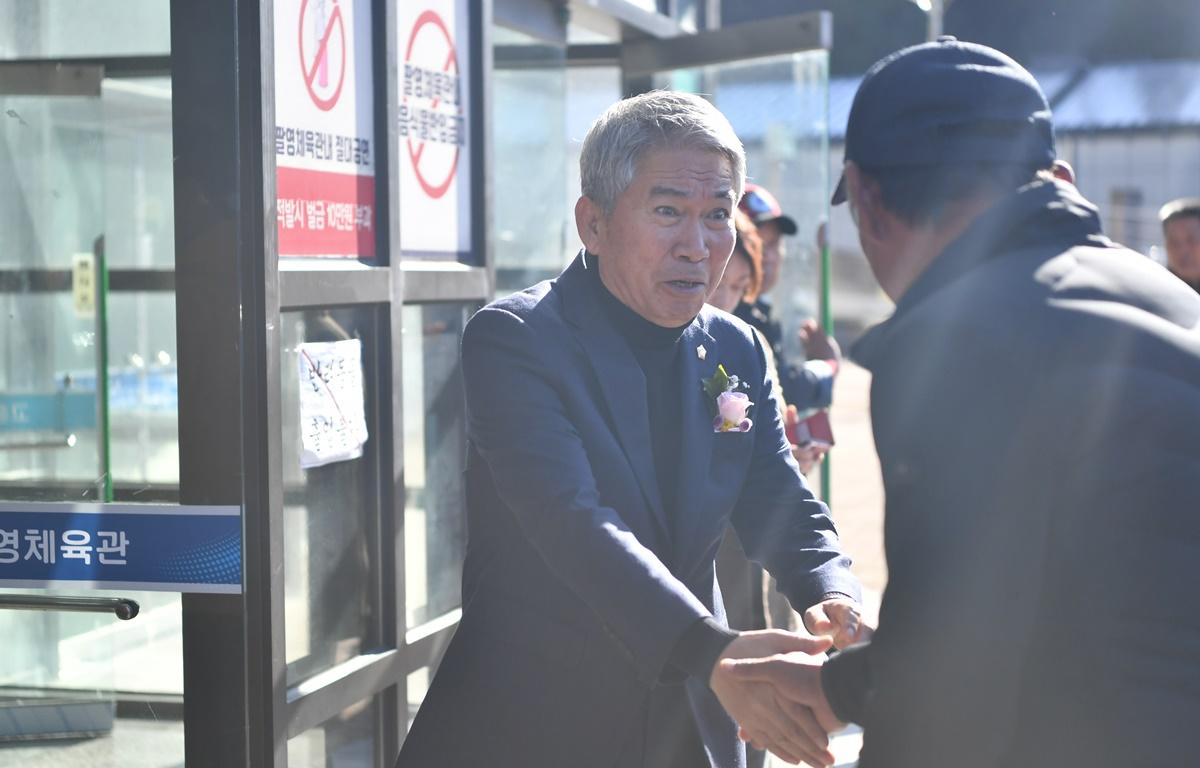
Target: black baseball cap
(947, 103)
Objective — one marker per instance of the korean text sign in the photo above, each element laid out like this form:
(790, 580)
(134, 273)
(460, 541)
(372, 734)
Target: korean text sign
(121, 546)
(324, 129)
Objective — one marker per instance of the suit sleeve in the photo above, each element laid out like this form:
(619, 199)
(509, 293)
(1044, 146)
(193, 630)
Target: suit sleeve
(778, 520)
(518, 422)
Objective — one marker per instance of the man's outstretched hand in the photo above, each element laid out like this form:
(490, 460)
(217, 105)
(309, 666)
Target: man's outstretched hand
(776, 715)
(839, 619)
(795, 679)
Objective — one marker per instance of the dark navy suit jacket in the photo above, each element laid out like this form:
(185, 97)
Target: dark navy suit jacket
(577, 584)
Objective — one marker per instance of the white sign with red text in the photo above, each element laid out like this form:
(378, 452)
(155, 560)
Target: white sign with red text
(324, 129)
(434, 124)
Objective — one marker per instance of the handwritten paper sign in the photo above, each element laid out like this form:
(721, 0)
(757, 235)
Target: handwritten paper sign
(333, 424)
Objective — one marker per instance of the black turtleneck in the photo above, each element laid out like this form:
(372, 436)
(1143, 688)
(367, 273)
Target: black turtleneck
(659, 354)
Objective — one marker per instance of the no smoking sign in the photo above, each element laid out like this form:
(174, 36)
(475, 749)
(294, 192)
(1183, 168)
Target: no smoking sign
(322, 47)
(431, 109)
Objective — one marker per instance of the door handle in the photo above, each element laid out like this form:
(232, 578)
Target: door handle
(122, 607)
(67, 441)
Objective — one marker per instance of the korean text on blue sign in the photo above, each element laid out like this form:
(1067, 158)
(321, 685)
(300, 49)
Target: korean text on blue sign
(121, 546)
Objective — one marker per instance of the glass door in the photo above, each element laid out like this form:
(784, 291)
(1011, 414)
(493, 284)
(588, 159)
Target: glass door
(87, 400)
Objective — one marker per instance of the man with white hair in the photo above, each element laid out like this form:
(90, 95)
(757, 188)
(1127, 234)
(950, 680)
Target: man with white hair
(617, 426)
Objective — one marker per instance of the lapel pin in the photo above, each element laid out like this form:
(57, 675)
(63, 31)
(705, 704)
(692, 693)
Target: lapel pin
(701, 352)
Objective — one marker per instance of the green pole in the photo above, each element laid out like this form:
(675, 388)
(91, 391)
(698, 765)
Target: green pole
(826, 269)
(104, 443)
(827, 324)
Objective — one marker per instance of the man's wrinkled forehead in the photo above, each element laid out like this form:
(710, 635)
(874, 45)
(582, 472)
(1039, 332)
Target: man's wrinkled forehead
(680, 171)
(722, 192)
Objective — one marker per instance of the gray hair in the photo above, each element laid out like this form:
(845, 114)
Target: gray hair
(621, 136)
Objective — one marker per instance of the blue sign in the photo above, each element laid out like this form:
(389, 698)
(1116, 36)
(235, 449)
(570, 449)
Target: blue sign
(121, 546)
(51, 412)
(152, 389)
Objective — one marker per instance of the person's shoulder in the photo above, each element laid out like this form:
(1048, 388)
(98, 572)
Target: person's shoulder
(530, 316)
(537, 304)
(1115, 280)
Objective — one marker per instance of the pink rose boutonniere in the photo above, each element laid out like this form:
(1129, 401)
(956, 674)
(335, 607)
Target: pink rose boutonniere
(730, 406)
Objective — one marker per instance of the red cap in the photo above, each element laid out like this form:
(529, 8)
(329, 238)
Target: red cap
(762, 207)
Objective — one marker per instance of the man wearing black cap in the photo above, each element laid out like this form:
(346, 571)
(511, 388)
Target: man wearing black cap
(1035, 402)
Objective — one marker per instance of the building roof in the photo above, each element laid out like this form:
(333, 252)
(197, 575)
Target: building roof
(1143, 94)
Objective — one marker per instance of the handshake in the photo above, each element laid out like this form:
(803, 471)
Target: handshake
(769, 682)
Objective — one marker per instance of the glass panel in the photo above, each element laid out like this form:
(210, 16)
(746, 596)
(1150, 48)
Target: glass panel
(49, 444)
(330, 512)
(778, 107)
(418, 686)
(40, 29)
(434, 453)
(530, 160)
(50, 161)
(59, 674)
(85, 178)
(94, 652)
(345, 741)
(590, 91)
(139, 182)
(143, 392)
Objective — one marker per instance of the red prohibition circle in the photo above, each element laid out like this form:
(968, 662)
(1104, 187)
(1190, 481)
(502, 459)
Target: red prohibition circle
(323, 104)
(434, 191)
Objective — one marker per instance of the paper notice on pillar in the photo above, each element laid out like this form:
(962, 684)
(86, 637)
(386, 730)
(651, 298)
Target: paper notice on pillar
(324, 129)
(433, 128)
(333, 424)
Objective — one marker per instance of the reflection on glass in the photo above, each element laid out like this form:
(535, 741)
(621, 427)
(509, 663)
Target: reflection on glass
(418, 686)
(329, 512)
(434, 453)
(47, 29)
(94, 652)
(86, 179)
(590, 91)
(777, 106)
(143, 397)
(345, 741)
(529, 173)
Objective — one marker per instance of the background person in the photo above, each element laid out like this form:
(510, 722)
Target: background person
(808, 386)
(740, 285)
(1035, 402)
(1181, 231)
